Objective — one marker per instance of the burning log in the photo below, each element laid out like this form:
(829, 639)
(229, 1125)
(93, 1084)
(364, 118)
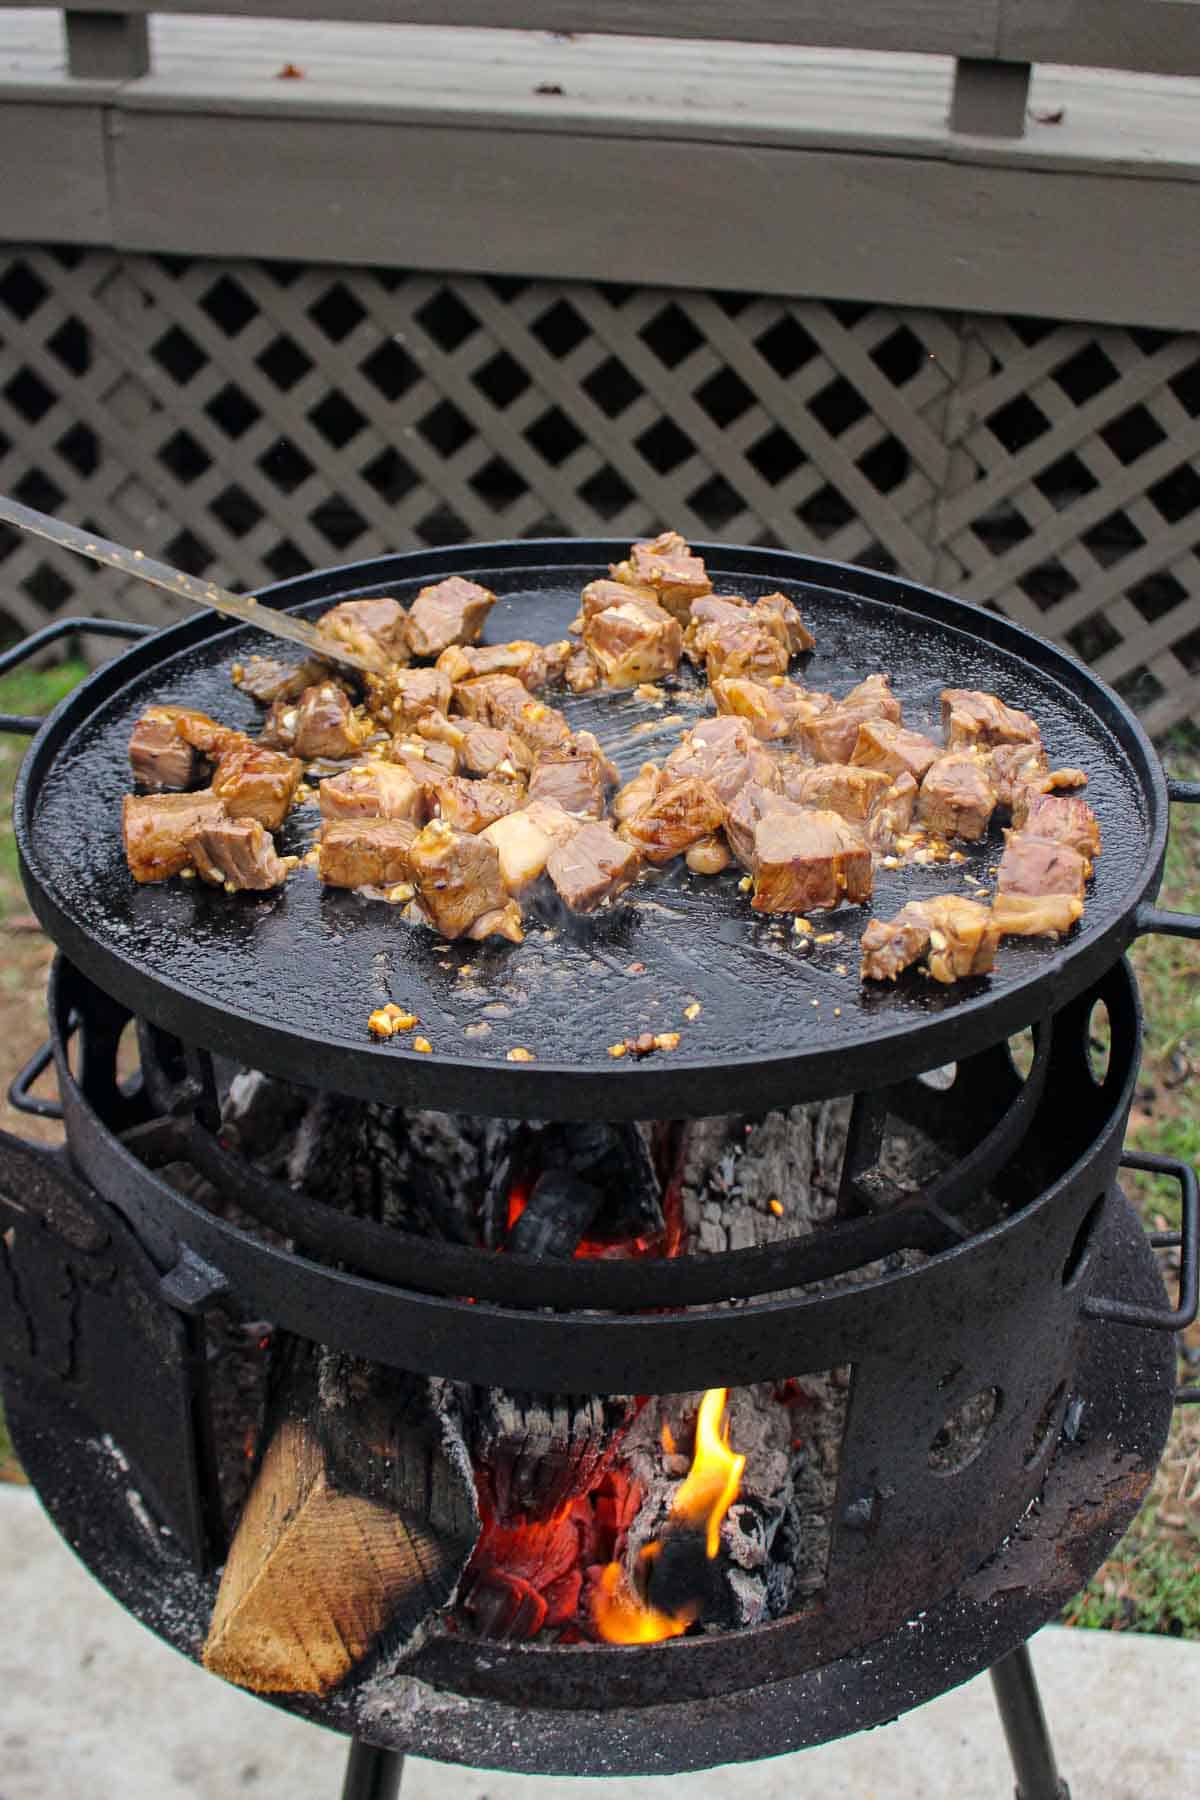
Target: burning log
(360, 1523)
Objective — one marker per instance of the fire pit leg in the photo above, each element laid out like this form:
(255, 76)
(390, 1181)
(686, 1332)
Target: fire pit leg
(1024, 1723)
(372, 1773)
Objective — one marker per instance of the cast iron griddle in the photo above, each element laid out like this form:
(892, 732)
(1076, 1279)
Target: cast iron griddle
(285, 981)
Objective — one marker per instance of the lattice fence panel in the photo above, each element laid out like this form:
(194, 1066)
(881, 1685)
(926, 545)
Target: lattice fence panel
(250, 421)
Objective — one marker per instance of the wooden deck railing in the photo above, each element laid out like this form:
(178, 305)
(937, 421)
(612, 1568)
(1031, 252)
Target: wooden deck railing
(994, 42)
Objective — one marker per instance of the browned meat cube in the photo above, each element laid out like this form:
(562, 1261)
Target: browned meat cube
(415, 693)
(742, 815)
(458, 877)
(974, 720)
(257, 784)
(542, 727)
(158, 827)
(450, 612)
(525, 838)
(424, 756)
(580, 672)
(576, 780)
(681, 813)
(160, 759)
(636, 641)
(637, 792)
(592, 866)
(723, 753)
(470, 805)
(486, 751)
(742, 649)
(266, 680)
(1035, 866)
(955, 937)
(833, 734)
(236, 854)
(707, 613)
(957, 798)
(206, 735)
(881, 744)
(838, 787)
(1046, 915)
(435, 728)
(377, 790)
(598, 595)
(492, 699)
(667, 565)
(776, 613)
(1062, 819)
(1024, 768)
(354, 853)
(369, 626)
(808, 861)
(529, 662)
(875, 697)
(325, 724)
(893, 815)
(774, 710)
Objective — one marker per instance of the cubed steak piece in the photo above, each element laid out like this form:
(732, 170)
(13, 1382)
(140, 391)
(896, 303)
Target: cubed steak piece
(470, 805)
(529, 662)
(1062, 818)
(881, 744)
(575, 778)
(1017, 767)
(637, 792)
(681, 813)
(457, 876)
(665, 564)
(375, 790)
(327, 724)
(487, 751)
(238, 855)
(158, 827)
(808, 860)
(743, 813)
(591, 866)
(838, 787)
(773, 710)
(1035, 866)
(415, 693)
(449, 612)
(893, 815)
(208, 736)
(266, 680)
(833, 734)
(974, 720)
(742, 648)
(724, 753)
(598, 595)
(354, 853)
(426, 759)
(257, 784)
(580, 672)
(636, 641)
(372, 627)
(160, 759)
(957, 798)
(952, 936)
(777, 614)
(1027, 915)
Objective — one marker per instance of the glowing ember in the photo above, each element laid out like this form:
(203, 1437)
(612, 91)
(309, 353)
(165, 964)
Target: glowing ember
(706, 1495)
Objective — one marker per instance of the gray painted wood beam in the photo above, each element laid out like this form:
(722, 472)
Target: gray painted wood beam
(107, 46)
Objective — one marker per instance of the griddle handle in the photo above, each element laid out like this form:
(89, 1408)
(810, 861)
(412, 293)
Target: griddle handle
(1171, 924)
(19, 1096)
(1186, 1241)
(25, 724)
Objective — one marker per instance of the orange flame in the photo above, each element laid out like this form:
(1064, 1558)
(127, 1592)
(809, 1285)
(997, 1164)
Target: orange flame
(704, 1498)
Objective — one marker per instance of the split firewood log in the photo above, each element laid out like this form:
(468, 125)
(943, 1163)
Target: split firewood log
(359, 1524)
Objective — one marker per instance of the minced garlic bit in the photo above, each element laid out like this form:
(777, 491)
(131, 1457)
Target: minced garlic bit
(840, 969)
(423, 1045)
(692, 1011)
(801, 926)
(519, 1054)
(187, 874)
(237, 670)
(618, 1050)
(776, 1207)
(403, 890)
(387, 1020)
(745, 884)
(827, 937)
(837, 1012)
(666, 1040)
(648, 690)
(890, 862)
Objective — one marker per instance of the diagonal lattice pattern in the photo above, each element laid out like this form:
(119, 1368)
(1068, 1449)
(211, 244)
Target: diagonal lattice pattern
(250, 421)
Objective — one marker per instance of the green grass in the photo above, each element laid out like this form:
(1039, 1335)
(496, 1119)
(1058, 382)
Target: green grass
(26, 691)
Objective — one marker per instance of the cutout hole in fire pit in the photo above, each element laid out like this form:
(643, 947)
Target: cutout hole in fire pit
(1021, 1050)
(1099, 1042)
(1077, 1256)
(1046, 1428)
(963, 1431)
(941, 1080)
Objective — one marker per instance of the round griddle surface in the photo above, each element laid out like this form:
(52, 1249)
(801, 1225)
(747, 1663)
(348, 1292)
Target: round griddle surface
(285, 981)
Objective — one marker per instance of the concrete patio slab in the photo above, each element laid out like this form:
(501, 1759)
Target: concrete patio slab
(95, 1708)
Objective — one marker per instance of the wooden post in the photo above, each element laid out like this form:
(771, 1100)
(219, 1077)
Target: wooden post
(989, 98)
(107, 46)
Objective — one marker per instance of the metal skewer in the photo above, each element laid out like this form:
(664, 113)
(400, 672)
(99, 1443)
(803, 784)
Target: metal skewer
(203, 593)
